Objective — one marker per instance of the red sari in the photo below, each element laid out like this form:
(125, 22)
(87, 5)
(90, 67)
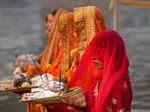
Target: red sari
(114, 92)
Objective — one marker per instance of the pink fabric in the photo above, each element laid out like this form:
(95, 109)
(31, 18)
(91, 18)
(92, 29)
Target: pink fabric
(107, 46)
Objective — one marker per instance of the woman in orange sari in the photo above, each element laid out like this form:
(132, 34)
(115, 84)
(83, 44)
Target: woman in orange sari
(51, 23)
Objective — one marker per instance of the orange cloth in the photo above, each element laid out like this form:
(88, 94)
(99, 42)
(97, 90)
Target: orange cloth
(36, 108)
(69, 40)
(88, 20)
(48, 55)
(69, 32)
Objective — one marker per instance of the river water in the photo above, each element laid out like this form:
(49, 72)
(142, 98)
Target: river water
(22, 31)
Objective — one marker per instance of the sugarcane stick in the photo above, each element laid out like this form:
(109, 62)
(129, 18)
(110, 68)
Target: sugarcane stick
(116, 16)
(111, 5)
(131, 2)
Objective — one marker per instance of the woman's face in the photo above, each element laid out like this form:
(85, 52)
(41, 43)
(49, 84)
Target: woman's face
(48, 23)
(98, 63)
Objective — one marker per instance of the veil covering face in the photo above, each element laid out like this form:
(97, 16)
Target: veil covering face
(107, 47)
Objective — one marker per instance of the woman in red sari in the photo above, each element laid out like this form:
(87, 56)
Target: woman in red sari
(105, 59)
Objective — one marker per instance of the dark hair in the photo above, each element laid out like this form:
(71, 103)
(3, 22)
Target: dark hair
(54, 12)
(46, 18)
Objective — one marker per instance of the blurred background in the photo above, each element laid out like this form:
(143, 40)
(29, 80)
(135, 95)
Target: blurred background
(22, 31)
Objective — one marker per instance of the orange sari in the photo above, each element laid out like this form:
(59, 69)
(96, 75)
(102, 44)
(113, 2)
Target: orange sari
(69, 37)
(47, 56)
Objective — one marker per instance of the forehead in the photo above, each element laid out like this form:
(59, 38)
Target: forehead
(50, 16)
